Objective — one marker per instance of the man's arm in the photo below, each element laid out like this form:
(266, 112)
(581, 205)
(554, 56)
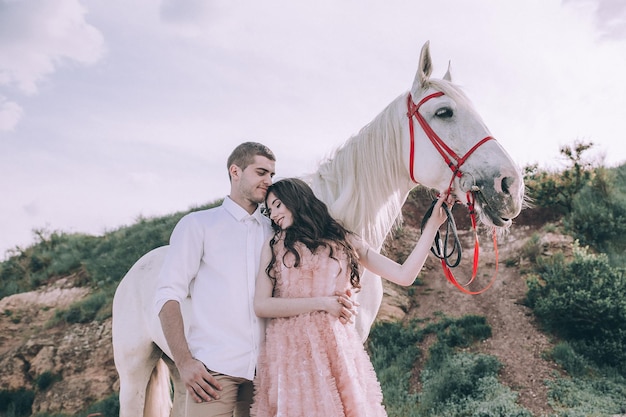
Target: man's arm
(199, 382)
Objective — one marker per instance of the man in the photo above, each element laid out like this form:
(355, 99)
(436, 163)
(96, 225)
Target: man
(214, 258)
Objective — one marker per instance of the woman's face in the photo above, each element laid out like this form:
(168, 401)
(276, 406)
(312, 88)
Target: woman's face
(279, 213)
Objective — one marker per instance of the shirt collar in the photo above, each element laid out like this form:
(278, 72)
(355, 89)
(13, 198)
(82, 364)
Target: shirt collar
(239, 213)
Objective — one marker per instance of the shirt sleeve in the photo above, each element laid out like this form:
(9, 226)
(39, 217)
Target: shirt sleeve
(181, 263)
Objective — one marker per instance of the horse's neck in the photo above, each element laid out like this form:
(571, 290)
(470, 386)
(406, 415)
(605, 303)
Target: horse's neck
(366, 182)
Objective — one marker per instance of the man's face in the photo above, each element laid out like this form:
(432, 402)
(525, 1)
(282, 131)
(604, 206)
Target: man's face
(256, 178)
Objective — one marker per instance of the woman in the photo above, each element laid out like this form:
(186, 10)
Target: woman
(313, 363)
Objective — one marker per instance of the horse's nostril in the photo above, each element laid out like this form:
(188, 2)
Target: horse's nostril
(506, 184)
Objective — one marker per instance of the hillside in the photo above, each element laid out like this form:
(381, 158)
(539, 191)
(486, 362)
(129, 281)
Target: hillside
(78, 359)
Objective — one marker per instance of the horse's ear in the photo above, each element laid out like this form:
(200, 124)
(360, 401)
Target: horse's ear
(424, 69)
(448, 76)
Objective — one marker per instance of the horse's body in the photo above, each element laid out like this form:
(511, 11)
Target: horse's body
(365, 183)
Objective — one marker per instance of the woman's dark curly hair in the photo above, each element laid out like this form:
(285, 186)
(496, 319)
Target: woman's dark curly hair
(312, 226)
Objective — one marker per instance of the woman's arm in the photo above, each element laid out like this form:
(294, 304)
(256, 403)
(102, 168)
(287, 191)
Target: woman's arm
(406, 273)
(267, 306)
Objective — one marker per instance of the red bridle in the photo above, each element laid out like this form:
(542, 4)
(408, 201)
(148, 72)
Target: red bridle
(454, 163)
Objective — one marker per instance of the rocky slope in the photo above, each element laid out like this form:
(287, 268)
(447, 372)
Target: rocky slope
(79, 357)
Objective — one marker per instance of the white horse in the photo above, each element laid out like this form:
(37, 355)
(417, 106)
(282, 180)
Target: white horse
(364, 183)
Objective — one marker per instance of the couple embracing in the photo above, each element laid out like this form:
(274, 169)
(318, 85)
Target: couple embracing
(270, 275)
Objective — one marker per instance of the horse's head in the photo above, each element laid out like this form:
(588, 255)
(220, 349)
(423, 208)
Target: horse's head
(452, 145)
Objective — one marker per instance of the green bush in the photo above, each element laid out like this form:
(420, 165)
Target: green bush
(46, 379)
(463, 332)
(16, 403)
(555, 190)
(465, 384)
(588, 397)
(393, 350)
(96, 262)
(100, 259)
(532, 248)
(583, 301)
(575, 364)
(454, 383)
(598, 215)
(454, 377)
(457, 383)
(83, 311)
(109, 406)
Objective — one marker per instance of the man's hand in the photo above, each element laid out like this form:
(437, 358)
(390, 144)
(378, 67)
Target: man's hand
(200, 384)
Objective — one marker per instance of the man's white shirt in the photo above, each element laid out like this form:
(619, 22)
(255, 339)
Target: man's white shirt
(212, 263)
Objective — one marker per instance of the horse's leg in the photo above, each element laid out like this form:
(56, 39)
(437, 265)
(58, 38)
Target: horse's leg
(158, 398)
(134, 368)
(179, 388)
(370, 297)
(134, 351)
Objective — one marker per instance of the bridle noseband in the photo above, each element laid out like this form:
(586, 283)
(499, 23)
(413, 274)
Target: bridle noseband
(454, 162)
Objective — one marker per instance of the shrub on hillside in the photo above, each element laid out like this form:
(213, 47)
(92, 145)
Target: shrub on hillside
(587, 397)
(96, 262)
(598, 215)
(46, 379)
(454, 383)
(394, 350)
(574, 363)
(83, 311)
(555, 190)
(110, 406)
(532, 249)
(582, 301)
(459, 383)
(16, 403)
(466, 384)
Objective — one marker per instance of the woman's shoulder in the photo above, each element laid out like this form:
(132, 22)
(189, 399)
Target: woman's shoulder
(356, 241)
(358, 244)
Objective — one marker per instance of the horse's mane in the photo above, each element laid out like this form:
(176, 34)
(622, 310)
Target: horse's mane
(365, 181)
(360, 180)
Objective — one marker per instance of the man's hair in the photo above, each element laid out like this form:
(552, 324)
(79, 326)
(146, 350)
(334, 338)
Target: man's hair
(243, 155)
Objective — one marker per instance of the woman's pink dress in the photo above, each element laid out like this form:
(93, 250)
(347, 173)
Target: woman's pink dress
(312, 365)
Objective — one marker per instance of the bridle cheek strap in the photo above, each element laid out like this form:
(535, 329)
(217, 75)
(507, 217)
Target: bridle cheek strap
(454, 162)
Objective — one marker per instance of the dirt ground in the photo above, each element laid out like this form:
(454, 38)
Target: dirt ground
(516, 340)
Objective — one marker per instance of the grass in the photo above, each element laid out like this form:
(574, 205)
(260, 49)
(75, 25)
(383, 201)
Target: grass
(454, 382)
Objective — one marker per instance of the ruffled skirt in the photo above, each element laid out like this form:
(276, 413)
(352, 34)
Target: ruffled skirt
(312, 365)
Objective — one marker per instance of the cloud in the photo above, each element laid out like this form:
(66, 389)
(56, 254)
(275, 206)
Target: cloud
(184, 10)
(32, 209)
(609, 16)
(187, 17)
(38, 37)
(10, 114)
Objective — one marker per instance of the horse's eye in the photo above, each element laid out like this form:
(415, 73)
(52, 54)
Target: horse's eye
(444, 113)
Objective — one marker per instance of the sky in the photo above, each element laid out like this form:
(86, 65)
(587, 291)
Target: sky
(113, 110)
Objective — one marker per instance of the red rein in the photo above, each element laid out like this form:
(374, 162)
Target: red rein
(454, 163)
